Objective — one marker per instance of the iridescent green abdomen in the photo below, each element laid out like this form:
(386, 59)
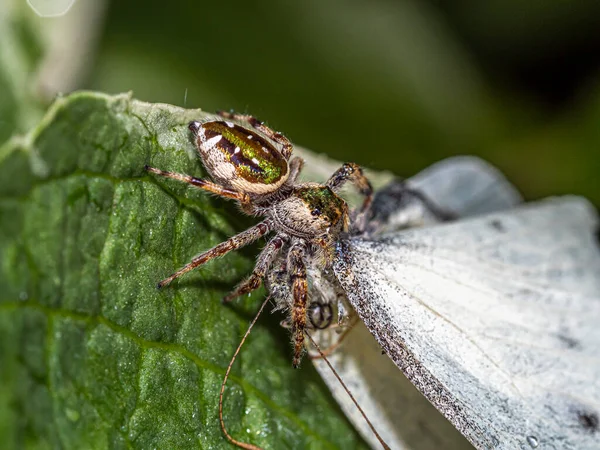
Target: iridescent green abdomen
(256, 160)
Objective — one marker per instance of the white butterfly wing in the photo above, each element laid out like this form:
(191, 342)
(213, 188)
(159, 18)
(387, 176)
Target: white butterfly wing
(464, 185)
(495, 319)
(461, 186)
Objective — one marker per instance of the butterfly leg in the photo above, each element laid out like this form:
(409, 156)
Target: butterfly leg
(239, 240)
(286, 145)
(264, 262)
(297, 268)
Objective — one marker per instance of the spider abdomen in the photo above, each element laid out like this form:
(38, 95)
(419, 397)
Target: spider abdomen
(239, 158)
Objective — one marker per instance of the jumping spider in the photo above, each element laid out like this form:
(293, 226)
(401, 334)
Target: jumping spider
(253, 167)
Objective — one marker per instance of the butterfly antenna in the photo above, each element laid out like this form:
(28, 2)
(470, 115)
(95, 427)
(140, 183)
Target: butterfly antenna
(379, 438)
(227, 435)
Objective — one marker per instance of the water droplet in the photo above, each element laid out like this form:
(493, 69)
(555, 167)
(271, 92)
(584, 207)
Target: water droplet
(23, 296)
(533, 441)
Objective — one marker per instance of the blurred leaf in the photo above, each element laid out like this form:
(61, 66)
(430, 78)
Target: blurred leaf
(309, 67)
(20, 53)
(91, 354)
(429, 79)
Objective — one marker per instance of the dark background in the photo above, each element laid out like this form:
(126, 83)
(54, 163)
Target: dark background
(389, 84)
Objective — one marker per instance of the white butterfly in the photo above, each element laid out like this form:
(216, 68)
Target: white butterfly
(494, 318)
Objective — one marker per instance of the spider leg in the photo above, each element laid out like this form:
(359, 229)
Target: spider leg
(264, 262)
(202, 184)
(299, 282)
(353, 173)
(287, 146)
(237, 241)
(296, 165)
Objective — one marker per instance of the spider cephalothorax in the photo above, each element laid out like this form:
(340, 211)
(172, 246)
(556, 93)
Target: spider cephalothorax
(253, 167)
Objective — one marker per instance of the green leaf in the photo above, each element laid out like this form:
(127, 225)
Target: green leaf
(92, 355)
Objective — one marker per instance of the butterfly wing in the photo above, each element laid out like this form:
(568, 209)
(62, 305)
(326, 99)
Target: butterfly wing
(466, 186)
(460, 186)
(495, 319)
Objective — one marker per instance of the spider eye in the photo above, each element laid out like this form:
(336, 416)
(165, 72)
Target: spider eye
(316, 212)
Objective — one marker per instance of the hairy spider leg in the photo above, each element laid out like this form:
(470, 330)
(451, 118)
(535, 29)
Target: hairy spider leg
(296, 164)
(299, 283)
(239, 240)
(263, 264)
(287, 146)
(209, 186)
(353, 173)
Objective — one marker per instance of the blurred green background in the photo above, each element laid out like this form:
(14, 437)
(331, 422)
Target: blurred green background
(389, 84)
